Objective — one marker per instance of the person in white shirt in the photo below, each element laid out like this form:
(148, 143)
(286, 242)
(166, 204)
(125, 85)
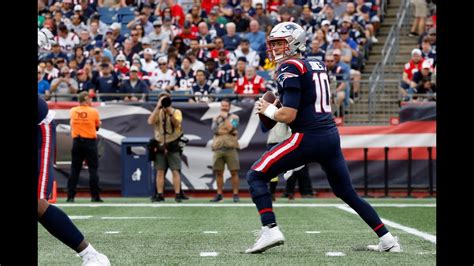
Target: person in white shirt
(162, 78)
(253, 59)
(147, 62)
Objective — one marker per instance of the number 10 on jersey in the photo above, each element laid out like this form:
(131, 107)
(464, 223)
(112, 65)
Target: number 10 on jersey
(323, 93)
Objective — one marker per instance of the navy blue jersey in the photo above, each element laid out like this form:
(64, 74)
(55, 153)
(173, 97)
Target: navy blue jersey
(303, 84)
(42, 110)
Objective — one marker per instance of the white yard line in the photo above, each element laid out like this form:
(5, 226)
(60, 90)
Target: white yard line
(210, 232)
(236, 205)
(407, 229)
(133, 218)
(112, 232)
(208, 254)
(335, 254)
(80, 217)
(313, 232)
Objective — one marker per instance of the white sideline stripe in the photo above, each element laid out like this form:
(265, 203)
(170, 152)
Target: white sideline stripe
(112, 232)
(335, 254)
(313, 232)
(80, 217)
(407, 229)
(129, 218)
(160, 205)
(208, 254)
(388, 140)
(210, 232)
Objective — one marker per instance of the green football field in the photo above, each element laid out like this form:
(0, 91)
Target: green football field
(133, 231)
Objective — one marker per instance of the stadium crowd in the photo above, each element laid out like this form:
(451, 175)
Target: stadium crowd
(198, 47)
(419, 74)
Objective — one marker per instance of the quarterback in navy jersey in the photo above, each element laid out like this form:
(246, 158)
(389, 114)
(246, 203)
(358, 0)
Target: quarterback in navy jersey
(303, 86)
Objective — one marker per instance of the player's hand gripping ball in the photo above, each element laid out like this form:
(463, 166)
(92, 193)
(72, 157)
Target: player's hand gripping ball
(270, 98)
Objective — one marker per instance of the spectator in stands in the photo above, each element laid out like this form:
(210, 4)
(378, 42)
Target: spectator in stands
(231, 39)
(320, 35)
(121, 66)
(134, 85)
(201, 88)
(219, 45)
(106, 82)
(67, 8)
(177, 12)
(339, 8)
(50, 72)
(204, 38)
(419, 76)
(426, 86)
(421, 12)
(111, 3)
(85, 41)
(201, 53)
(315, 51)
(428, 25)
(427, 53)
(162, 78)
(432, 38)
(196, 15)
(84, 83)
(127, 49)
(185, 76)
(368, 25)
(67, 40)
(250, 84)
(328, 14)
(240, 68)
(195, 63)
(346, 53)
(60, 63)
(241, 23)
(136, 44)
(348, 75)
(348, 42)
(94, 31)
(290, 7)
(244, 50)
(224, 146)
(338, 72)
(248, 12)
(117, 37)
(56, 53)
(215, 28)
(77, 25)
(216, 78)
(63, 87)
(187, 35)
(262, 18)
(256, 37)
(143, 20)
(308, 22)
(159, 40)
(43, 85)
(148, 64)
(229, 72)
(179, 44)
(86, 10)
(414, 65)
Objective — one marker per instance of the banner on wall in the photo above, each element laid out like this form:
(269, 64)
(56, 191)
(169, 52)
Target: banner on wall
(121, 121)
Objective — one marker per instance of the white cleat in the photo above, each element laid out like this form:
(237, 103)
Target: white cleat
(392, 246)
(266, 238)
(97, 259)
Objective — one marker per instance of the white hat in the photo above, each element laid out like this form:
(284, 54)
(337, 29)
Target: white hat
(145, 40)
(115, 26)
(148, 51)
(77, 8)
(426, 64)
(134, 68)
(121, 57)
(162, 59)
(415, 51)
(325, 22)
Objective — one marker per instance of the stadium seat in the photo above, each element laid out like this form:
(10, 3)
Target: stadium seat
(108, 15)
(126, 11)
(177, 96)
(125, 19)
(264, 74)
(153, 95)
(124, 30)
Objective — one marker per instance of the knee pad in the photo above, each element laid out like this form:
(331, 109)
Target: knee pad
(257, 184)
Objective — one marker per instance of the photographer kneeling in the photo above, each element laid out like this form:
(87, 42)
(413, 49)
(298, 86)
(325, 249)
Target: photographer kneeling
(167, 126)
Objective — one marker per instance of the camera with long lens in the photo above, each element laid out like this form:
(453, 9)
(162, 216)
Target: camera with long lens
(166, 102)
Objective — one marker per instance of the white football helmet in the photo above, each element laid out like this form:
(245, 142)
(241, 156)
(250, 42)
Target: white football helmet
(295, 38)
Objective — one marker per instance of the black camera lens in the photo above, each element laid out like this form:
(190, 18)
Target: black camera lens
(166, 102)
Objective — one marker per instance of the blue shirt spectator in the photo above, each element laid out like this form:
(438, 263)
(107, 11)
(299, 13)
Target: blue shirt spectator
(255, 36)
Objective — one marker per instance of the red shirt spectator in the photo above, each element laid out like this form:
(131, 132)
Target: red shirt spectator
(250, 84)
(414, 64)
(176, 11)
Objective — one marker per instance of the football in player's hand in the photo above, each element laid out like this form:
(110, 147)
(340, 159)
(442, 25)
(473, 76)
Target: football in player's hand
(267, 122)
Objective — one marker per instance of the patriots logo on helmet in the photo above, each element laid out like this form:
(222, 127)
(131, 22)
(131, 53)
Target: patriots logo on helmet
(284, 75)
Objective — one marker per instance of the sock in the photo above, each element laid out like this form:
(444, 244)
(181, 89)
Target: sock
(89, 250)
(261, 197)
(60, 226)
